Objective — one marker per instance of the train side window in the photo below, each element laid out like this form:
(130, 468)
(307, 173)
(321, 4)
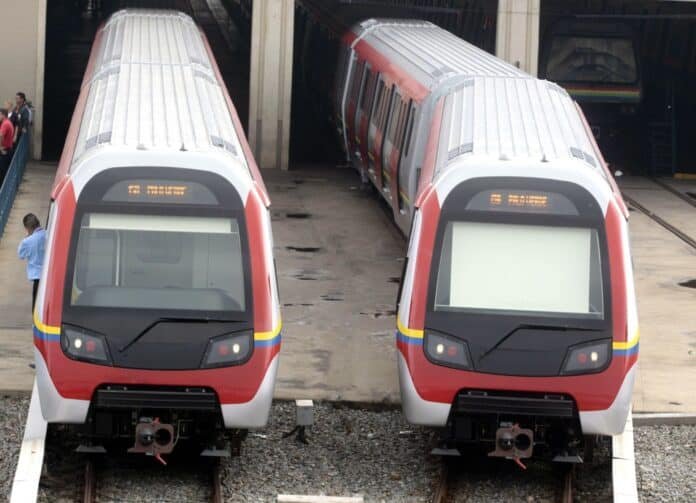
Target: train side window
(399, 133)
(356, 80)
(402, 174)
(374, 117)
(369, 93)
(409, 130)
(395, 115)
(364, 69)
(381, 125)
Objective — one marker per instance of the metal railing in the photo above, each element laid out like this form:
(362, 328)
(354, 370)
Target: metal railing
(13, 178)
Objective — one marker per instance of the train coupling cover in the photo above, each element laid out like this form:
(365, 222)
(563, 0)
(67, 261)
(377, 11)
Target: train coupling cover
(153, 438)
(513, 442)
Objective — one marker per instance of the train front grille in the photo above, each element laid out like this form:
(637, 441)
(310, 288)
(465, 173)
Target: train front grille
(482, 402)
(177, 398)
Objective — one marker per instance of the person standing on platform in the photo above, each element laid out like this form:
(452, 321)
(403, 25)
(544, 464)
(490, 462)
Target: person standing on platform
(24, 116)
(32, 250)
(6, 140)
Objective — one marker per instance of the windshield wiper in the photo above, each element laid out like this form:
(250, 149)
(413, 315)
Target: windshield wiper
(175, 320)
(527, 326)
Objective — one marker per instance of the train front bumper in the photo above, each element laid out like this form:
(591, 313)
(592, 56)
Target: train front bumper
(435, 412)
(58, 408)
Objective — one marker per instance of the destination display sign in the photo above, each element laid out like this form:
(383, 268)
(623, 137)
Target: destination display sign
(522, 201)
(160, 191)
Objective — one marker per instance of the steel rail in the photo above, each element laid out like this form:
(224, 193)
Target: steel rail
(90, 484)
(662, 222)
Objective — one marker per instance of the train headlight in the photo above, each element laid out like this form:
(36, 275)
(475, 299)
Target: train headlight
(230, 349)
(587, 358)
(79, 344)
(448, 351)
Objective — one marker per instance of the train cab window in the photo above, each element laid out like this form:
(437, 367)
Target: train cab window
(556, 271)
(159, 262)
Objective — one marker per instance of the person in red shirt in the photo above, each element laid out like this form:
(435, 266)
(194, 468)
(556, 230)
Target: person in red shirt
(6, 140)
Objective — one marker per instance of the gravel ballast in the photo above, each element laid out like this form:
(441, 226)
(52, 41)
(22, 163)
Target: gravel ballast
(666, 463)
(350, 451)
(13, 413)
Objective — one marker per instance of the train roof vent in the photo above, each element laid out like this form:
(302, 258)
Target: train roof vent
(583, 156)
(219, 142)
(461, 150)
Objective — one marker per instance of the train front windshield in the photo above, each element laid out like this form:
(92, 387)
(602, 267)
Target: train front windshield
(592, 59)
(159, 262)
(520, 269)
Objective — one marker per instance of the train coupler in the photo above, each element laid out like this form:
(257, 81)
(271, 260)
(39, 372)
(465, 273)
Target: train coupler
(513, 442)
(153, 438)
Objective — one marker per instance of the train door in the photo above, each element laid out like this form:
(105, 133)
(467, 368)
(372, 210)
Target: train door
(405, 165)
(391, 151)
(380, 118)
(362, 118)
(356, 81)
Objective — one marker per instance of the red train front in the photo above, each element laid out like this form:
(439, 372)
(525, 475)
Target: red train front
(517, 323)
(157, 317)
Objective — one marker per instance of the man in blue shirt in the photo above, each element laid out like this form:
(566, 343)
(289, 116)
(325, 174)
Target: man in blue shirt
(32, 250)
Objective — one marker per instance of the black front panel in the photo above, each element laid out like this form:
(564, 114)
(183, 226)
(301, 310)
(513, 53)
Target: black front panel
(156, 295)
(519, 342)
(138, 397)
(481, 403)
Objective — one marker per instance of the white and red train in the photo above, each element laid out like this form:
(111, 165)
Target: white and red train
(157, 315)
(517, 321)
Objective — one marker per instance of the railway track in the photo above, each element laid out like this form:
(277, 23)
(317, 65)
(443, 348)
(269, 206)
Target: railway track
(566, 478)
(660, 221)
(442, 487)
(90, 487)
(689, 200)
(446, 490)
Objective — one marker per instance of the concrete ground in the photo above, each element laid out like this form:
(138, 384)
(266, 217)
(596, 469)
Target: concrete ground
(667, 311)
(339, 262)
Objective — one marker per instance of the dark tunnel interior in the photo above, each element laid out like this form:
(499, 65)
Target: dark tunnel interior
(650, 135)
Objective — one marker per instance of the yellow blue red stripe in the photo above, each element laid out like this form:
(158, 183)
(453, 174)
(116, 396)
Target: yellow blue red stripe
(628, 348)
(268, 339)
(45, 332)
(408, 335)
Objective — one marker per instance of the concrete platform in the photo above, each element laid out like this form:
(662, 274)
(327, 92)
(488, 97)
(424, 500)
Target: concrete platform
(339, 259)
(15, 297)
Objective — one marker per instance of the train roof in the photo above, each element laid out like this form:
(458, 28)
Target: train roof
(507, 119)
(431, 54)
(492, 109)
(153, 86)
